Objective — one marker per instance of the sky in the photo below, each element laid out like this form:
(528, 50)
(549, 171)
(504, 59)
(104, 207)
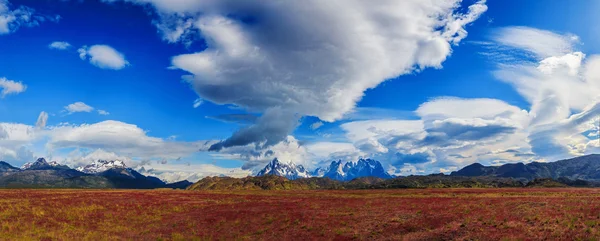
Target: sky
(194, 88)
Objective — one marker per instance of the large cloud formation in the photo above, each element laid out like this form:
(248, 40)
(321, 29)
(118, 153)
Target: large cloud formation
(560, 84)
(309, 58)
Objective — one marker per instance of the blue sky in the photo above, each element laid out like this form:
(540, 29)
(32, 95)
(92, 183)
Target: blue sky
(307, 83)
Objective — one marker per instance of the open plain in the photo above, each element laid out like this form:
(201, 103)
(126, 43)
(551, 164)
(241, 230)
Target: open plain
(402, 214)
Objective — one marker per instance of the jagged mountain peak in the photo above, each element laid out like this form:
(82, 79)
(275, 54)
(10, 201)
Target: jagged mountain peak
(41, 163)
(99, 166)
(288, 170)
(337, 170)
(352, 170)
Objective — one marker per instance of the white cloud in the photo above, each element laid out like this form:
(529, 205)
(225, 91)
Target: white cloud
(103, 112)
(540, 42)
(78, 107)
(316, 125)
(11, 87)
(59, 45)
(288, 60)
(561, 87)
(197, 103)
(255, 158)
(15, 140)
(103, 56)
(103, 140)
(125, 139)
(324, 152)
(193, 172)
(451, 132)
(42, 120)
(23, 16)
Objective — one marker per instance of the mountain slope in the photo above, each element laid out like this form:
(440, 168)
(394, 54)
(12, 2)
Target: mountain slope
(583, 168)
(6, 169)
(270, 182)
(266, 182)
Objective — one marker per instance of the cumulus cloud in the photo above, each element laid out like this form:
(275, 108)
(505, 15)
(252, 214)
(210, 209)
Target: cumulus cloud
(14, 142)
(11, 87)
(112, 140)
(59, 45)
(269, 56)
(78, 107)
(11, 19)
(103, 56)
(450, 132)
(119, 137)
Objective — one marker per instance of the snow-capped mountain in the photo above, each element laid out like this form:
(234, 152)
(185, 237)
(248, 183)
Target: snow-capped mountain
(352, 170)
(337, 170)
(290, 170)
(41, 163)
(99, 166)
(320, 171)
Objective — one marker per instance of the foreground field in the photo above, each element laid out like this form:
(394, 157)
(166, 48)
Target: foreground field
(428, 214)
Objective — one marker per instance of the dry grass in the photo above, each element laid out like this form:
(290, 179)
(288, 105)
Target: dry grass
(430, 214)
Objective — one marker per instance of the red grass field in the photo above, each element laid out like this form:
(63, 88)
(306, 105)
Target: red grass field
(432, 214)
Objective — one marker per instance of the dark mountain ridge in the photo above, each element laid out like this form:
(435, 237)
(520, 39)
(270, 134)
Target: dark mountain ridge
(578, 168)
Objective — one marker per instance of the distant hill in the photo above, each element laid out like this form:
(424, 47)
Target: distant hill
(579, 168)
(271, 182)
(266, 182)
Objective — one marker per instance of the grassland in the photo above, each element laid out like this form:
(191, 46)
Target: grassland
(415, 214)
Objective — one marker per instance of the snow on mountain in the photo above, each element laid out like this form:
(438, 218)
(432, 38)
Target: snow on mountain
(40, 163)
(320, 171)
(27, 165)
(337, 170)
(99, 166)
(290, 170)
(352, 170)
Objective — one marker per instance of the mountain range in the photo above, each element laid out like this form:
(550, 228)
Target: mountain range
(364, 173)
(99, 174)
(336, 170)
(582, 168)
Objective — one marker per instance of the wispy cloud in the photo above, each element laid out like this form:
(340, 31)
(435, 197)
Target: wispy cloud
(59, 45)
